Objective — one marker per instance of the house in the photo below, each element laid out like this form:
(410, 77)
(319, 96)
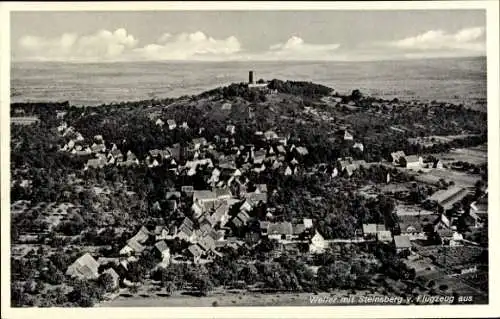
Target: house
(279, 231)
(223, 193)
(359, 146)
(199, 142)
(171, 124)
(302, 151)
(114, 277)
(204, 196)
(185, 230)
(241, 219)
(85, 267)
(142, 235)
(372, 230)
(187, 190)
(261, 188)
(159, 122)
(348, 136)
(397, 157)
(259, 157)
(308, 223)
(175, 151)
(116, 154)
(256, 198)
(162, 250)
(317, 244)
(185, 125)
(60, 114)
(132, 247)
(413, 161)
(226, 106)
(438, 165)
(195, 252)
(231, 129)
(153, 163)
(98, 148)
(270, 135)
(442, 223)
(264, 227)
(131, 159)
(281, 149)
(470, 220)
(161, 233)
(95, 163)
(402, 243)
(206, 243)
(446, 198)
(384, 236)
(413, 227)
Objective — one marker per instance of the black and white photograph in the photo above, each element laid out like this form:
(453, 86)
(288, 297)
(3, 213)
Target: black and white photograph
(250, 156)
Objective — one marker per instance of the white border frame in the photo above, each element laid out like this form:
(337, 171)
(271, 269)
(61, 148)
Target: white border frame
(492, 24)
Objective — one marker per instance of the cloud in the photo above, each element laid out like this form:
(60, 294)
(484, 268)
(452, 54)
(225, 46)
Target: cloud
(468, 39)
(186, 46)
(119, 45)
(102, 45)
(297, 48)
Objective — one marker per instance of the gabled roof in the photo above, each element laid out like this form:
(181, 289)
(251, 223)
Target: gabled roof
(302, 150)
(161, 246)
(373, 228)
(283, 228)
(159, 229)
(142, 235)
(200, 140)
(173, 195)
(262, 188)
(220, 211)
(136, 247)
(448, 197)
(412, 158)
(195, 250)
(207, 243)
(85, 266)
(220, 192)
(445, 233)
(187, 222)
(402, 241)
(384, 235)
(298, 229)
(264, 224)
(308, 223)
(204, 195)
(187, 188)
(255, 198)
(396, 156)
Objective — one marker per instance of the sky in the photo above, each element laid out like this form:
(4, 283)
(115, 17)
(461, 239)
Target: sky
(333, 35)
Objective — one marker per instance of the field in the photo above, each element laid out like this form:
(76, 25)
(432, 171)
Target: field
(474, 155)
(459, 178)
(429, 141)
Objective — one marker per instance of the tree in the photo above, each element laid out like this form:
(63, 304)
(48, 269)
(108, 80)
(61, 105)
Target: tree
(170, 287)
(356, 95)
(107, 283)
(203, 285)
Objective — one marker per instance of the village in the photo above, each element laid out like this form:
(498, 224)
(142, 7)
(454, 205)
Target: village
(218, 203)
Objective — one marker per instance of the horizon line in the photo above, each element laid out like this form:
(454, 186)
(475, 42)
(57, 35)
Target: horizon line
(252, 61)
